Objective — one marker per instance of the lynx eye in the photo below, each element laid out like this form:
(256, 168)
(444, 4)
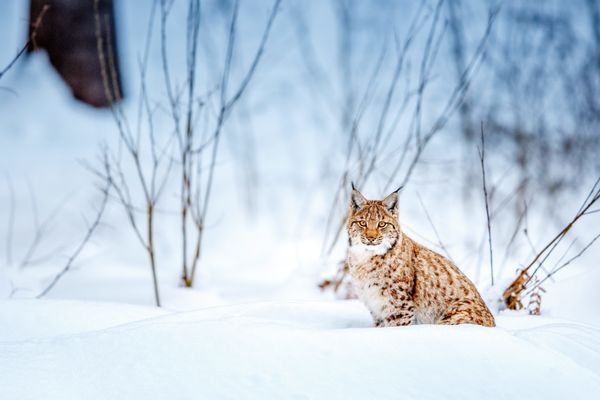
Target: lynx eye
(362, 223)
(382, 224)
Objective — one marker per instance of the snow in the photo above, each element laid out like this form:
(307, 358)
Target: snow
(296, 350)
(574, 296)
(255, 325)
(31, 319)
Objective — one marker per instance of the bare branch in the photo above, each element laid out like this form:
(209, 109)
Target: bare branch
(566, 263)
(257, 57)
(486, 199)
(440, 243)
(226, 106)
(30, 42)
(82, 244)
(41, 228)
(132, 146)
(454, 101)
(10, 226)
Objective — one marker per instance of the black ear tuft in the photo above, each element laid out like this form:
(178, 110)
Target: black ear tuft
(391, 201)
(357, 200)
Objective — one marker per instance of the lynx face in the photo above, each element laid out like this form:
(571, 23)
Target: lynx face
(373, 224)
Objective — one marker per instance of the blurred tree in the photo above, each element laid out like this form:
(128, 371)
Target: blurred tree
(68, 35)
(538, 95)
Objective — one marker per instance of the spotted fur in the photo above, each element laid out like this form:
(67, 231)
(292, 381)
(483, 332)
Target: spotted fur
(400, 281)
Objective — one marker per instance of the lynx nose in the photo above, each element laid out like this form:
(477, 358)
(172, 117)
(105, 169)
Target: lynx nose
(371, 234)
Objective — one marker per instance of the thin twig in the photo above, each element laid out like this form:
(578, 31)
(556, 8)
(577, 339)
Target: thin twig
(435, 231)
(31, 41)
(592, 197)
(487, 207)
(81, 246)
(41, 228)
(566, 263)
(512, 294)
(10, 226)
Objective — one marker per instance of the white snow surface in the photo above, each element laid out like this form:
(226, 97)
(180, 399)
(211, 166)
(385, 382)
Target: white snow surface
(295, 350)
(283, 346)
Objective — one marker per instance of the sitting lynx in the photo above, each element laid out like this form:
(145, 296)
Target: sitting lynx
(400, 281)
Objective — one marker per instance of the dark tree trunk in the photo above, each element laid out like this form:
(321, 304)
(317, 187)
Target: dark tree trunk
(68, 34)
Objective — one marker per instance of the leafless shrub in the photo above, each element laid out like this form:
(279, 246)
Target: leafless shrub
(41, 228)
(84, 241)
(194, 193)
(33, 253)
(527, 280)
(189, 149)
(151, 179)
(541, 63)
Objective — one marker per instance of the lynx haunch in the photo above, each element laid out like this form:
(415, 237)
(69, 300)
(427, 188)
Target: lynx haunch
(400, 281)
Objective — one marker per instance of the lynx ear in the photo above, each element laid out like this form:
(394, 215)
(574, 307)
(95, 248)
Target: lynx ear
(391, 201)
(357, 200)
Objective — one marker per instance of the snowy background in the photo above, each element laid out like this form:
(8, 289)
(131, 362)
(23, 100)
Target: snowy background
(256, 325)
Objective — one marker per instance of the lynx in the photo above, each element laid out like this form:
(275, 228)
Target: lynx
(400, 281)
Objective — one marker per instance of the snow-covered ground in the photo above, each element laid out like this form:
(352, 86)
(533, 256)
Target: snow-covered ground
(255, 325)
(285, 350)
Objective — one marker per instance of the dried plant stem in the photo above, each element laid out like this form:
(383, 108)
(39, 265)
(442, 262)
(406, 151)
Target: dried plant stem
(487, 207)
(512, 294)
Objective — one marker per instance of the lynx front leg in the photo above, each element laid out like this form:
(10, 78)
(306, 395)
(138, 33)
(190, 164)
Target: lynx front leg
(377, 320)
(402, 315)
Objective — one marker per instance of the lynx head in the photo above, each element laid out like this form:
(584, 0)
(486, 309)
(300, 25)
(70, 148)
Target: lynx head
(373, 224)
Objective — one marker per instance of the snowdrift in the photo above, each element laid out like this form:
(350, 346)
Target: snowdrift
(304, 350)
